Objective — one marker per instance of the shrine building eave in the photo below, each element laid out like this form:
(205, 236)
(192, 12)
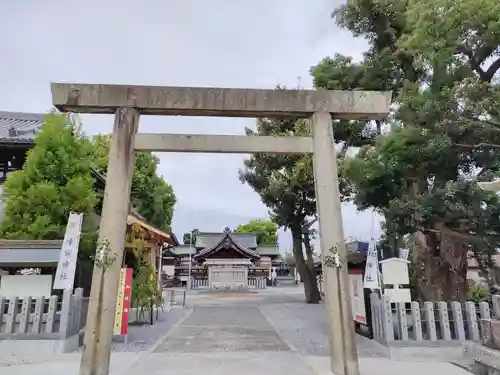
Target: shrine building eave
(227, 242)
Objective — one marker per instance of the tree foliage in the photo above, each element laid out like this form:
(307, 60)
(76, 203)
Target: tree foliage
(440, 59)
(190, 237)
(285, 183)
(56, 180)
(151, 195)
(266, 231)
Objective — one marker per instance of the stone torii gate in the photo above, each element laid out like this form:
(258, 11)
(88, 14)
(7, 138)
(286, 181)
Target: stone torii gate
(129, 102)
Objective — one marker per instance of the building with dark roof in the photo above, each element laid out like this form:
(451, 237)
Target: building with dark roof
(224, 260)
(17, 135)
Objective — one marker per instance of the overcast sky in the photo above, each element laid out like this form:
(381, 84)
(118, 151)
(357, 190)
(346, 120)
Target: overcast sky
(255, 44)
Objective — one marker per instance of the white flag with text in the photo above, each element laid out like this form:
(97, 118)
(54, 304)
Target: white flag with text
(66, 268)
(371, 279)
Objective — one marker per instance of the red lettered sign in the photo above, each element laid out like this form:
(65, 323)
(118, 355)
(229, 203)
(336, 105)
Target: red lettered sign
(127, 293)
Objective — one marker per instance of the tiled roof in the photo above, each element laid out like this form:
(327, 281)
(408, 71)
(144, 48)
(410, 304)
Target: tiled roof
(18, 127)
(268, 250)
(208, 239)
(30, 253)
(226, 238)
(184, 250)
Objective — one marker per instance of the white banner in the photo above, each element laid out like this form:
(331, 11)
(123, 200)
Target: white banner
(371, 279)
(65, 273)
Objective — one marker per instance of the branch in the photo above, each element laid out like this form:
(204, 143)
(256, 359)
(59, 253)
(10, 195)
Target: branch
(454, 233)
(479, 145)
(475, 65)
(494, 124)
(307, 226)
(493, 69)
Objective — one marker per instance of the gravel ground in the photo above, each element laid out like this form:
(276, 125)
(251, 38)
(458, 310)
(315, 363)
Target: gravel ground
(304, 328)
(144, 337)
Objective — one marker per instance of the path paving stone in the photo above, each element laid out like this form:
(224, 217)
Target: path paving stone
(223, 329)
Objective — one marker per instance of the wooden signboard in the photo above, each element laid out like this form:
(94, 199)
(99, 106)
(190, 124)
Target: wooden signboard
(123, 302)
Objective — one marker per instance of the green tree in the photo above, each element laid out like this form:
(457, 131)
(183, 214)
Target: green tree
(285, 184)
(151, 195)
(190, 237)
(440, 61)
(55, 180)
(266, 231)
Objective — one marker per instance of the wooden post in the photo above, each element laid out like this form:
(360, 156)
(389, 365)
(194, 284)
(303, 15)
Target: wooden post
(343, 353)
(101, 315)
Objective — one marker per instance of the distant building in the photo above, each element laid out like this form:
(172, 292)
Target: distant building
(224, 260)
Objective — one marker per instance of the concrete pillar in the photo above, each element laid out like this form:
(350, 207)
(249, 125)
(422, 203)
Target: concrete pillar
(343, 354)
(105, 280)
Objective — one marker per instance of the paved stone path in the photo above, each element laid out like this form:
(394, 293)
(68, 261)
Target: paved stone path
(214, 329)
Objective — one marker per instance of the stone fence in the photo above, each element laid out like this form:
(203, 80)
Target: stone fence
(429, 329)
(447, 321)
(199, 283)
(253, 283)
(257, 283)
(42, 324)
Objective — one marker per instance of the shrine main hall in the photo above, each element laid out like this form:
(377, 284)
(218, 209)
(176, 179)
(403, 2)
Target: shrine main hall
(227, 261)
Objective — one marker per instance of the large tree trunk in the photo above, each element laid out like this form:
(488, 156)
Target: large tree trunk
(309, 252)
(439, 259)
(308, 277)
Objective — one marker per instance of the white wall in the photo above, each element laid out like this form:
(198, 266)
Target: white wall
(169, 270)
(26, 285)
